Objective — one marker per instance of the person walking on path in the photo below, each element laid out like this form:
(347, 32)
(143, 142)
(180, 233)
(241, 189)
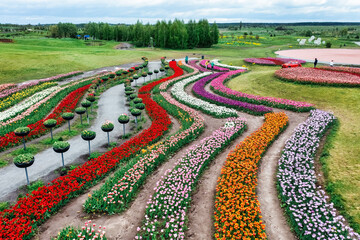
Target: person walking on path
(212, 66)
(332, 63)
(186, 59)
(315, 62)
(206, 64)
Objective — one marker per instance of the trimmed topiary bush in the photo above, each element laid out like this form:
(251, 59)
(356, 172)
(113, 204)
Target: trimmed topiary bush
(61, 147)
(22, 132)
(24, 161)
(68, 116)
(50, 123)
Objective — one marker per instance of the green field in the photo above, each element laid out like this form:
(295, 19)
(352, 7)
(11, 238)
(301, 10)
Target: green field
(30, 58)
(39, 58)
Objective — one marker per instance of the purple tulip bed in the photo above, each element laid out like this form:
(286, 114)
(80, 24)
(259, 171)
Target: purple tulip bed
(218, 86)
(306, 204)
(199, 90)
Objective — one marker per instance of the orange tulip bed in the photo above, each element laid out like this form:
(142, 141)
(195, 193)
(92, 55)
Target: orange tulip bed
(237, 210)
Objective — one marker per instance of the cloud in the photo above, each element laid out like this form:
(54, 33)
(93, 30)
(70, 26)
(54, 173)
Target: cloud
(115, 11)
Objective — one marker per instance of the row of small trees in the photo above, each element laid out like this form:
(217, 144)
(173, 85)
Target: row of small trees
(27, 159)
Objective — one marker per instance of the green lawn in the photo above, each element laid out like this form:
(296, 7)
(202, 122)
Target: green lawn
(344, 161)
(39, 58)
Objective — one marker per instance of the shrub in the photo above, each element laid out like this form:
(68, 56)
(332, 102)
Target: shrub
(123, 118)
(50, 123)
(22, 131)
(61, 146)
(24, 158)
(88, 135)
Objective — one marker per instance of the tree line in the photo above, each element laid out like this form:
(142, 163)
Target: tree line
(172, 34)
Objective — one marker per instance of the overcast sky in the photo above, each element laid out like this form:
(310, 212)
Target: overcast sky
(120, 11)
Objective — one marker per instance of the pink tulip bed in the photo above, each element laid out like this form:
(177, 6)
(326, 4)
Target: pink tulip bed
(118, 191)
(6, 86)
(22, 86)
(353, 70)
(166, 212)
(216, 68)
(272, 61)
(318, 76)
(193, 64)
(218, 86)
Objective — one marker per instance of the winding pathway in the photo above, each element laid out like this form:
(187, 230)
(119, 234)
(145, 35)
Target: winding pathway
(111, 104)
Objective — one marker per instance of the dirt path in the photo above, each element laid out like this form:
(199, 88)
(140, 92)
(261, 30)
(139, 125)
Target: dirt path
(276, 225)
(124, 226)
(202, 205)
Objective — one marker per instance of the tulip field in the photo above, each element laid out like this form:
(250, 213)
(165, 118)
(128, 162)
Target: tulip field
(193, 153)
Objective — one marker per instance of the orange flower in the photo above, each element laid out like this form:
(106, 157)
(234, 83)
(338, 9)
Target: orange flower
(237, 210)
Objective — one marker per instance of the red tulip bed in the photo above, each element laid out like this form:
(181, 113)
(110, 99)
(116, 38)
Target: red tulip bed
(68, 104)
(318, 76)
(21, 220)
(39, 109)
(272, 61)
(118, 191)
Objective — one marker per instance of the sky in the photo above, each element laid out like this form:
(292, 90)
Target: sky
(221, 11)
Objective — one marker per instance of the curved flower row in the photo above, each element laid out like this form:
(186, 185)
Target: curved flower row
(6, 86)
(67, 104)
(216, 68)
(26, 85)
(318, 76)
(237, 210)
(354, 70)
(216, 62)
(18, 96)
(25, 119)
(307, 206)
(199, 90)
(118, 191)
(178, 92)
(178, 72)
(271, 60)
(218, 86)
(20, 221)
(194, 65)
(165, 85)
(166, 211)
(22, 106)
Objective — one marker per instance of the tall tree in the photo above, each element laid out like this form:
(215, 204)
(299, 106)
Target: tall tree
(193, 34)
(204, 33)
(214, 32)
